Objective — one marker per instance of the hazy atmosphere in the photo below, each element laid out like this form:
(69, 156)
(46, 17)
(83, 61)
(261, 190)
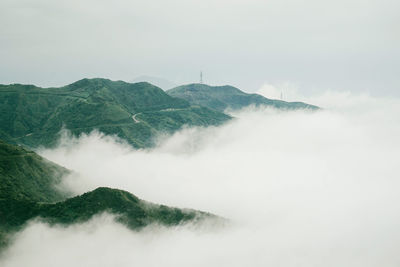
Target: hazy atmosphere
(199, 133)
(341, 45)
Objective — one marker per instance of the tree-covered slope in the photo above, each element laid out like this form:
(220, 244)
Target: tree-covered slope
(24, 175)
(137, 112)
(221, 98)
(27, 191)
(130, 210)
(25, 179)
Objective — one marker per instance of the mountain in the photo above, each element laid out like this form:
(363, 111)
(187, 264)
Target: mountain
(225, 97)
(24, 175)
(34, 116)
(28, 190)
(131, 211)
(159, 82)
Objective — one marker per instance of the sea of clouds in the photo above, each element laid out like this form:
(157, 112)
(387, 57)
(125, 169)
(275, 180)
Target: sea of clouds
(299, 188)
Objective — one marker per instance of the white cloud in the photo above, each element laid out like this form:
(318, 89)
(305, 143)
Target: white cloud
(300, 188)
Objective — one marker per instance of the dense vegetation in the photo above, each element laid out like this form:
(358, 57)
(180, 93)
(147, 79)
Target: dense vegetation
(28, 190)
(131, 211)
(24, 175)
(34, 116)
(221, 98)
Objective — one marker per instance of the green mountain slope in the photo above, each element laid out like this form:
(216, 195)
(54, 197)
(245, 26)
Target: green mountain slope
(130, 210)
(137, 112)
(24, 175)
(25, 179)
(221, 98)
(27, 191)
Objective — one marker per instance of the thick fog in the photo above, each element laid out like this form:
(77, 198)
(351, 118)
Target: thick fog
(299, 188)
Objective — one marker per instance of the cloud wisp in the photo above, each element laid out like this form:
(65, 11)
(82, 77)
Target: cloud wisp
(300, 188)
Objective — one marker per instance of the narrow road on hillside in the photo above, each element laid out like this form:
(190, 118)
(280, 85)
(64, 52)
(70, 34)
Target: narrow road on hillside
(162, 110)
(134, 118)
(172, 109)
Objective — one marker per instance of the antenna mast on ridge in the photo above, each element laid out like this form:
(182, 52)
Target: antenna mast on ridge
(201, 77)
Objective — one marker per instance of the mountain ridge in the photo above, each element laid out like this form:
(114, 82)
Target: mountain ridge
(28, 190)
(33, 116)
(225, 97)
(157, 81)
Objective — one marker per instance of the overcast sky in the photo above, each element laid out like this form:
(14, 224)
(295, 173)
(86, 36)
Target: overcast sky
(316, 45)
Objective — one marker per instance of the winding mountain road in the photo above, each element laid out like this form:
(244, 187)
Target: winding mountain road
(134, 118)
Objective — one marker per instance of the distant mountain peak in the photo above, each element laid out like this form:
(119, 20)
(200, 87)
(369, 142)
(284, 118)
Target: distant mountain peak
(157, 81)
(225, 97)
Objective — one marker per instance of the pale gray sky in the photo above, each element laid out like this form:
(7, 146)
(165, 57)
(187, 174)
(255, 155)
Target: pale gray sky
(316, 45)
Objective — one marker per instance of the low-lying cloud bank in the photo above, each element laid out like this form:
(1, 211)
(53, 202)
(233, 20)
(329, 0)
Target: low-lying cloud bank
(301, 188)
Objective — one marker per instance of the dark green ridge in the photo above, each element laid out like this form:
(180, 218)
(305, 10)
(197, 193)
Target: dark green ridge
(225, 97)
(28, 191)
(34, 116)
(24, 175)
(130, 210)
(25, 179)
